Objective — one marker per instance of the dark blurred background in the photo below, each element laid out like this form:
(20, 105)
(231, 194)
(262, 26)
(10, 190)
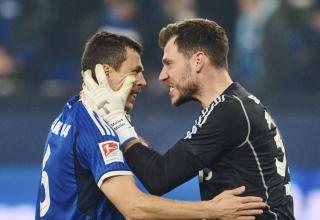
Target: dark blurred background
(274, 53)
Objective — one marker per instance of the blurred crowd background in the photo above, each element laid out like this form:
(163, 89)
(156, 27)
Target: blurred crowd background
(274, 43)
(274, 53)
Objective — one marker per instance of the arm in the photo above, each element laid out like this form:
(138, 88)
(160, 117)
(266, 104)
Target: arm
(161, 173)
(134, 204)
(221, 131)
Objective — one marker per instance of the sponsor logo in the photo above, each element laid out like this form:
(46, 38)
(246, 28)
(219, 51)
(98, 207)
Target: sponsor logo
(110, 152)
(108, 147)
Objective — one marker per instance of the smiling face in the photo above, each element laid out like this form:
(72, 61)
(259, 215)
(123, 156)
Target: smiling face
(131, 66)
(177, 73)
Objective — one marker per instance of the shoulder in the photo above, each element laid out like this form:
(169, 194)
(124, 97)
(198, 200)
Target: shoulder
(224, 118)
(91, 125)
(232, 107)
(222, 111)
(231, 117)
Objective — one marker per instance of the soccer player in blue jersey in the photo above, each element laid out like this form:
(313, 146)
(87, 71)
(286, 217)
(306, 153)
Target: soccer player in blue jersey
(233, 142)
(84, 174)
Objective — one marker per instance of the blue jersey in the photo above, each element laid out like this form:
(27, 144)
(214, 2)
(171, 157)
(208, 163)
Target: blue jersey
(80, 152)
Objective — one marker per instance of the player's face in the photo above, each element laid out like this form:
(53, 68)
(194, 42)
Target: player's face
(178, 75)
(131, 66)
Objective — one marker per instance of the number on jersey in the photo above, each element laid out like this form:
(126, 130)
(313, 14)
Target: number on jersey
(45, 204)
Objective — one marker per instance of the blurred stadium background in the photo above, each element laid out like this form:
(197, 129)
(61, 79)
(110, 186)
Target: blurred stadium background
(274, 52)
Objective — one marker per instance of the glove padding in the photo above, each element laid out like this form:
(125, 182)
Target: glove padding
(109, 104)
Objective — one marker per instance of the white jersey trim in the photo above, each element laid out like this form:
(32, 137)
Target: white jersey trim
(113, 173)
(108, 129)
(100, 121)
(256, 158)
(248, 122)
(95, 120)
(203, 118)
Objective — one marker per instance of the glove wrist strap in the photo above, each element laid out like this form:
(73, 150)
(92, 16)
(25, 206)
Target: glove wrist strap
(121, 125)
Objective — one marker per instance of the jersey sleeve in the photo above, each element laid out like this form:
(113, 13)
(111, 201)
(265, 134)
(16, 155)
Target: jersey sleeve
(217, 130)
(222, 127)
(97, 147)
(162, 173)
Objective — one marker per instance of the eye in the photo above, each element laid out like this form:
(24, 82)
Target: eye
(137, 70)
(170, 64)
(166, 62)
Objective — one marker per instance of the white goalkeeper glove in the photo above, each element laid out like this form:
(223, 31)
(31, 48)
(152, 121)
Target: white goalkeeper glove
(108, 103)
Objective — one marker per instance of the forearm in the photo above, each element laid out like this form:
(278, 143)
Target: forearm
(134, 204)
(152, 207)
(162, 173)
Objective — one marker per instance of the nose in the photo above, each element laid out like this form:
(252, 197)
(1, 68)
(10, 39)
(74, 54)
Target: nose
(163, 75)
(141, 81)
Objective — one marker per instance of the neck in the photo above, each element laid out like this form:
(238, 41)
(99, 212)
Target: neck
(212, 86)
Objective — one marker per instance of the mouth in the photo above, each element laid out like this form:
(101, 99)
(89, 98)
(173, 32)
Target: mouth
(133, 95)
(171, 89)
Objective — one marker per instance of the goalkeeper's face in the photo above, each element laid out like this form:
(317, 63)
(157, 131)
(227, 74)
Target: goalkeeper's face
(179, 75)
(131, 66)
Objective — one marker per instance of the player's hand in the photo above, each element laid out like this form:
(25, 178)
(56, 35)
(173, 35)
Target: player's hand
(104, 99)
(229, 205)
(108, 103)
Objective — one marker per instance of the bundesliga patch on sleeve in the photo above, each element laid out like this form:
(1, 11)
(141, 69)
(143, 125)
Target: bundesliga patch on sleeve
(110, 152)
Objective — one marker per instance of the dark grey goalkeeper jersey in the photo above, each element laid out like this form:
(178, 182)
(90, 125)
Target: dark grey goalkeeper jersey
(233, 142)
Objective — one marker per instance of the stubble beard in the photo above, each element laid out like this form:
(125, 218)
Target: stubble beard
(187, 87)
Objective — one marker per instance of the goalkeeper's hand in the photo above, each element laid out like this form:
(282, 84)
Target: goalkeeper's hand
(109, 104)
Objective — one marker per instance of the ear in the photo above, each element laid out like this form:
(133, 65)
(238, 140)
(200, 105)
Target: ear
(200, 59)
(107, 69)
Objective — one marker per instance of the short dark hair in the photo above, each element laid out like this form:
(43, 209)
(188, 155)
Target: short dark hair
(107, 48)
(198, 34)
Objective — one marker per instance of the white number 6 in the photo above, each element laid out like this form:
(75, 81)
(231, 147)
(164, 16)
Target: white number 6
(45, 204)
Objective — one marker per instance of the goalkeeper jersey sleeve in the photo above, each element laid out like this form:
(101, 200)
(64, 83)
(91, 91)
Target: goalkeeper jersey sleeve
(220, 128)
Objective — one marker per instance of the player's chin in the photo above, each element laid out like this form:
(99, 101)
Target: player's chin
(174, 98)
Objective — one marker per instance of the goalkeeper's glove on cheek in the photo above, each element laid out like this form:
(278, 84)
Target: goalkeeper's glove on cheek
(109, 104)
